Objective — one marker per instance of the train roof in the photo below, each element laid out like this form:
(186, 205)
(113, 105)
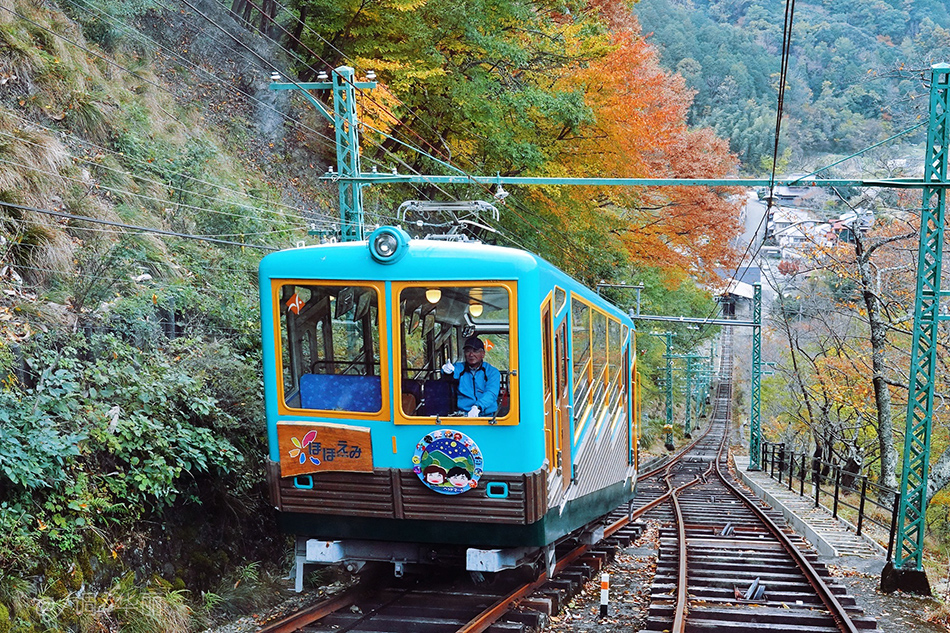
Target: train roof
(423, 259)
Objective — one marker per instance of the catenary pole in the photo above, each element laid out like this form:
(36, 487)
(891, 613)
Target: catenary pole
(906, 570)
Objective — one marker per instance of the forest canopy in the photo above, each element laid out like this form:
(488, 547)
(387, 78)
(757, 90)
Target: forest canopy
(856, 73)
(536, 88)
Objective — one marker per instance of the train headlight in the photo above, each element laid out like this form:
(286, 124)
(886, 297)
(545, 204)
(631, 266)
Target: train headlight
(388, 244)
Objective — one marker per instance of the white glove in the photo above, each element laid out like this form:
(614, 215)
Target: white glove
(474, 412)
(448, 368)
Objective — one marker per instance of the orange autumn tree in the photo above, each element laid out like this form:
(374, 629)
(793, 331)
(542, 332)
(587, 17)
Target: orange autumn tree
(639, 130)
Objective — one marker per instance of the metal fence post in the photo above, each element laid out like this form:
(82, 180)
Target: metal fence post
(894, 512)
(791, 470)
(864, 489)
(834, 511)
(801, 492)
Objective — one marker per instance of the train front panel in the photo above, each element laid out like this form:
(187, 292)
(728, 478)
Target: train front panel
(367, 437)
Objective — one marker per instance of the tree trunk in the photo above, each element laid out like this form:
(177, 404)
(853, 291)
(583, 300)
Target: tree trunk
(295, 44)
(882, 395)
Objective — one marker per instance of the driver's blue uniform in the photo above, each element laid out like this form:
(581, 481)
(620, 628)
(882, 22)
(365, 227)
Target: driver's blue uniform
(478, 388)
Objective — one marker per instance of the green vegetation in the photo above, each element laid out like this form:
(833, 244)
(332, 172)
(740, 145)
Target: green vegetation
(131, 421)
(131, 424)
(855, 77)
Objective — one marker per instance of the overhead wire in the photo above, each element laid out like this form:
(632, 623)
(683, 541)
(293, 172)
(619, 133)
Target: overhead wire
(782, 82)
(393, 116)
(105, 59)
(328, 141)
(783, 79)
(133, 73)
(366, 95)
(141, 229)
(145, 163)
(96, 55)
(540, 232)
(543, 234)
(99, 165)
(321, 137)
(125, 192)
(274, 68)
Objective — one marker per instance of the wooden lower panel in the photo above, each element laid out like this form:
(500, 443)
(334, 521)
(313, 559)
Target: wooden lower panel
(398, 494)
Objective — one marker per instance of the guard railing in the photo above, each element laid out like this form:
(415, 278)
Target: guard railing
(852, 496)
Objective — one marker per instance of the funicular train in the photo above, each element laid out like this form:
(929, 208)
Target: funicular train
(371, 457)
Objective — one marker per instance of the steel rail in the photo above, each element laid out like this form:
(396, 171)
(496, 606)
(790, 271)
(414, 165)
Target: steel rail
(681, 604)
(489, 616)
(623, 521)
(485, 619)
(682, 597)
(835, 609)
(313, 613)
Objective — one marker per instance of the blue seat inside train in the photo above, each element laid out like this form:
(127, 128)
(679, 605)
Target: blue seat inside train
(438, 397)
(336, 392)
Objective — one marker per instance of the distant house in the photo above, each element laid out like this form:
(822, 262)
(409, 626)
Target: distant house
(794, 195)
(861, 220)
(739, 288)
(794, 237)
(783, 219)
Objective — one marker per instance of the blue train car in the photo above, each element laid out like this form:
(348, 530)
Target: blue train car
(376, 451)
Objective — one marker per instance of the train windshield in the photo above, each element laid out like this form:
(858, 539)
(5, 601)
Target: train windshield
(456, 350)
(330, 347)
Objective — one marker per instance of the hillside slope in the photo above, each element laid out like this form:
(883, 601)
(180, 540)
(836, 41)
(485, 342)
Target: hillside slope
(145, 168)
(857, 71)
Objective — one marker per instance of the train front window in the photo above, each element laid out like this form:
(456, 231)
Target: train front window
(330, 347)
(438, 375)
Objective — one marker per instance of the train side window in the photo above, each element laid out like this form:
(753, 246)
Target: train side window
(599, 346)
(580, 340)
(435, 320)
(560, 299)
(615, 351)
(330, 347)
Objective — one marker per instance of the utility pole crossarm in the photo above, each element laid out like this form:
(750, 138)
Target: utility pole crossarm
(346, 128)
(371, 178)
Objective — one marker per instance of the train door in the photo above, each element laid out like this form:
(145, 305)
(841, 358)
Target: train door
(550, 430)
(557, 434)
(562, 402)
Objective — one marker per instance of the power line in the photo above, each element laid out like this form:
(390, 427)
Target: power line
(273, 67)
(97, 55)
(541, 233)
(118, 191)
(320, 135)
(142, 229)
(145, 163)
(783, 79)
(365, 94)
(148, 180)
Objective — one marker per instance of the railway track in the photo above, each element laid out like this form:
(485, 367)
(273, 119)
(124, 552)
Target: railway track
(717, 546)
(728, 564)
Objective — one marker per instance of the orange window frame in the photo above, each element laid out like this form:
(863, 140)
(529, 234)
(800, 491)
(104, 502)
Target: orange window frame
(512, 417)
(282, 408)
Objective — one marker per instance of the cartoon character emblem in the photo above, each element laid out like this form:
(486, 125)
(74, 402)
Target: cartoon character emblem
(448, 462)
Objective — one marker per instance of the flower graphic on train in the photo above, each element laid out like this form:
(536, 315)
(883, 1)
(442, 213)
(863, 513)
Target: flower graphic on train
(447, 462)
(301, 448)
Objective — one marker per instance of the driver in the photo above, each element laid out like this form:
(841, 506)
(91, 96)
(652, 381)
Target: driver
(478, 381)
